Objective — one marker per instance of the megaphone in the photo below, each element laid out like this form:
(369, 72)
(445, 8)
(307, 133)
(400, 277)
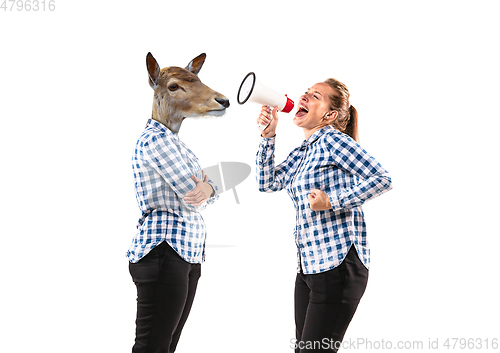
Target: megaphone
(252, 90)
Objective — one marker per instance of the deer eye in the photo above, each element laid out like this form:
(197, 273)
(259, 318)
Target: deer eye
(173, 87)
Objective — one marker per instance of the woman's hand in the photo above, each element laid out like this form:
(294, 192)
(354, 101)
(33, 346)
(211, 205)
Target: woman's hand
(265, 117)
(200, 193)
(318, 200)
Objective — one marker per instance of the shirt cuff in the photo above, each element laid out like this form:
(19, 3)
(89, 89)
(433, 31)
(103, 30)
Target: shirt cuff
(335, 200)
(268, 140)
(214, 196)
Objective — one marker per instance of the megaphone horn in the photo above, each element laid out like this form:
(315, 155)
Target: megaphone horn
(252, 90)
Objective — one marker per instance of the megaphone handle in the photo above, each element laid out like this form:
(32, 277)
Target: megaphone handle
(262, 127)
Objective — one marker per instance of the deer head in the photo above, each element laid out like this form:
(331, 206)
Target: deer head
(179, 93)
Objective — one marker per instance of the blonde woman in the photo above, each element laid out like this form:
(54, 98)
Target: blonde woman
(328, 178)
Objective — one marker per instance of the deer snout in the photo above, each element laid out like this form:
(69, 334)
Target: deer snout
(223, 102)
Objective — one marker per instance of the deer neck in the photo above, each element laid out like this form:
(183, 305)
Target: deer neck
(167, 117)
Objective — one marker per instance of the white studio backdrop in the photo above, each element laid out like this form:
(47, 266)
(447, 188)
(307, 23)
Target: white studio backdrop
(423, 77)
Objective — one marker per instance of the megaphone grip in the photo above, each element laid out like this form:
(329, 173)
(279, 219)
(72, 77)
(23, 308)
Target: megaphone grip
(262, 127)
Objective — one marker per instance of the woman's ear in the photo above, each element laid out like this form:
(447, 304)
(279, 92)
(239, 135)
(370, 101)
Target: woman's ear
(331, 115)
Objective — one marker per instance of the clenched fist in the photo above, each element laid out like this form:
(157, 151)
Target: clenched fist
(318, 200)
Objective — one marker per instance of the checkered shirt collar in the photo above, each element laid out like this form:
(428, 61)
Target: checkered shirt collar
(316, 135)
(153, 123)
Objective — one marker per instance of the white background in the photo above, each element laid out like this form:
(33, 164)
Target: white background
(74, 98)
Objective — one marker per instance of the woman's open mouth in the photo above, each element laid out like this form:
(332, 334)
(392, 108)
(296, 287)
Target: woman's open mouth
(301, 111)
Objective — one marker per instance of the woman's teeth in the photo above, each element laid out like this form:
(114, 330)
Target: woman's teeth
(303, 109)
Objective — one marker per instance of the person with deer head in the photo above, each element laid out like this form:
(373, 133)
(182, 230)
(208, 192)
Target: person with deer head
(167, 251)
(328, 178)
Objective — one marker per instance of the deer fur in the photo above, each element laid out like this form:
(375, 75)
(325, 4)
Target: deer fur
(180, 94)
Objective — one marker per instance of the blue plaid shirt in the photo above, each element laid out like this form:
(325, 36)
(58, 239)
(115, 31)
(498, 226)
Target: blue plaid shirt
(163, 166)
(335, 164)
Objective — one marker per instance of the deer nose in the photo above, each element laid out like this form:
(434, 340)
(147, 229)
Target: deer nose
(223, 102)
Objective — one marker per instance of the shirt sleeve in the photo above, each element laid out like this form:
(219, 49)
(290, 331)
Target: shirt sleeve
(167, 161)
(214, 198)
(373, 180)
(269, 177)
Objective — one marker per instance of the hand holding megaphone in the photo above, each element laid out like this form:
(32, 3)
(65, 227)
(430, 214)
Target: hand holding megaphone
(252, 90)
(267, 121)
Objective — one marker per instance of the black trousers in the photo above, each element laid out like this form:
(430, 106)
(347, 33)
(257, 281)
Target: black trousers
(166, 286)
(325, 304)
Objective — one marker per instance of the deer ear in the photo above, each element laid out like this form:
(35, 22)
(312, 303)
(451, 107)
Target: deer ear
(195, 65)
(153, 71)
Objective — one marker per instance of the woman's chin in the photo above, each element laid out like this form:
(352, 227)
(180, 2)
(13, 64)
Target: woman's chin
(299, 119)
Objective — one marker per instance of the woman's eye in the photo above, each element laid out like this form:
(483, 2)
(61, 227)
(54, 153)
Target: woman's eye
(173, 87)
